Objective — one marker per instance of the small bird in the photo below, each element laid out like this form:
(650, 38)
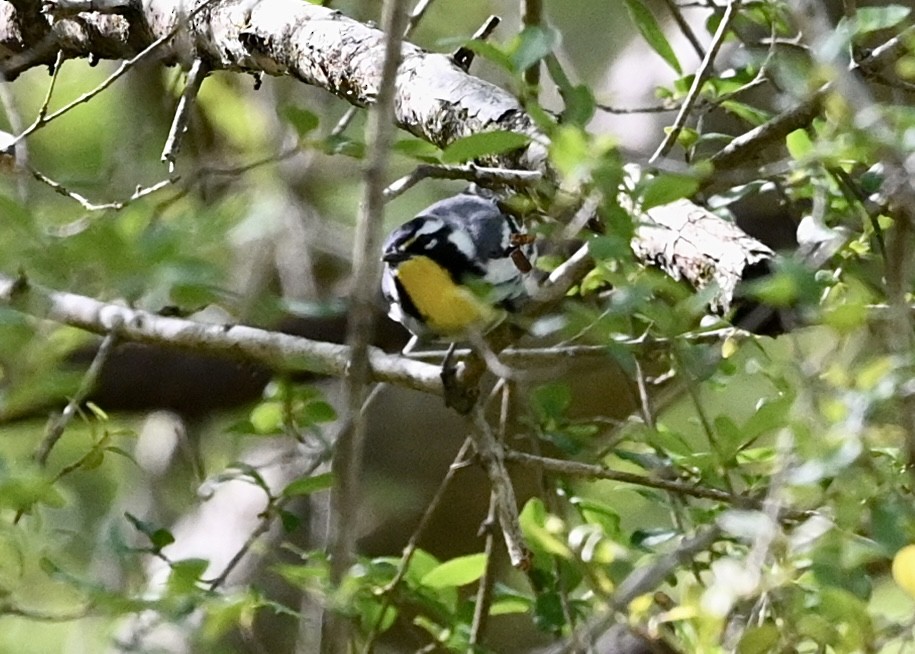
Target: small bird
(456, 267)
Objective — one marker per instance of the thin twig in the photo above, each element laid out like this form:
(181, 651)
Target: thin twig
(639, 582)
(532, 16)
(485, 585)
(275, 507)
(492, 457)
(705, 69)
(43, 109)
(412, 545)
(471, 172)
(685, 27)
(195, 76)
(347, 463)
(747, 146)
(88, 205)
(592, 471)
(653, 109)
(125, 66)
(86, 386)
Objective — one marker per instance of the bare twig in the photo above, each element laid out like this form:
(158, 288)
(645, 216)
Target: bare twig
(705, 69)
(195, 76)
(746, 147)
(684, 27)
(410, 548)
(275, 507)
(532, 16)
(654, 109)
(485, 585)
(125, 66)
(367, 271)
(88, 205)
(470, 172)
(492, 457)
(59, 424)
(592, 471)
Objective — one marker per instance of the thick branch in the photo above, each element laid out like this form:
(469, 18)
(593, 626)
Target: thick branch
(276, 350)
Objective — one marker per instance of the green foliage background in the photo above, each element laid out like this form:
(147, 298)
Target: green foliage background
(806, 432)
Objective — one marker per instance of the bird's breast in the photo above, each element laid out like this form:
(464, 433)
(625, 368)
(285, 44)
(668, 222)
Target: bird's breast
(446, 307)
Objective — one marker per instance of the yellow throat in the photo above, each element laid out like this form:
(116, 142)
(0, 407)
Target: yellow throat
(448, 309)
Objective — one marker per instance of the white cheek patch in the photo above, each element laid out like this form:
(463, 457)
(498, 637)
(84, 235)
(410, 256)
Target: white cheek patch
(463, 243)
(430, 226)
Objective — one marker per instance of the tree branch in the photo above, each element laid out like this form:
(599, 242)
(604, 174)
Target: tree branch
(276, 350)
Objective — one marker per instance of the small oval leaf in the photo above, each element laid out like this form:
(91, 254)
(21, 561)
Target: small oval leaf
(456, 572)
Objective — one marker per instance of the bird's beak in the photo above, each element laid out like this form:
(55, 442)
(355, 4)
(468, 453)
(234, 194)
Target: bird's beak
(394, 256)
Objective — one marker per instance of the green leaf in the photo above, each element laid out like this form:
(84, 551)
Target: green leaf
(759, 640)
(548, 613)
(486, 143)
(491, 53)
(509, 605)
(302, 120)
(570, 152)
(596, 512)
(308, 485)
(651, 31)
(185, 575)
(551, 401)
(290, 521)
(418, 149)
(666, 188)
(267, 418)
(158, 536)
(579, 105)
(874, 19)
(799, 144)
(578, 99)
(753, 115)
(318, 411)
(533, 44)
(456, 572)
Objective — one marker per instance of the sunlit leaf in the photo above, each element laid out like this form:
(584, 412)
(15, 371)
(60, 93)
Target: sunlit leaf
(873, 19)
(185, 575)
(799, 144)
(456, 572)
